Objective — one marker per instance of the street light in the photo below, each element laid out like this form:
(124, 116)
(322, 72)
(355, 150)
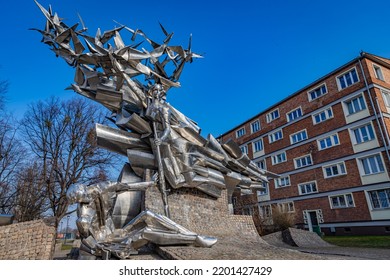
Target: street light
(66, 230)
(61, 228)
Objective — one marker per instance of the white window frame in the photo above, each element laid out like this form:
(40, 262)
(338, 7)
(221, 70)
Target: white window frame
(275, 158)
(381, 201)
(319, 88)
(286, 207)
(326, 113)
(253, 125)
(290, 119)
(361, 135)
(378, 72)
(386, 97)
(265, 191)
(254, 145)
(240, 132)
(272, 138)
(261, 162)
(305, 184)
(340, 168)
(344, 74)
(355, 110)
(296, 134)
(332, 141)
(346, 200)
(265, 211)
(379, 165)
(282, 182)
(244, 149)
(300, 158)
(270, 116)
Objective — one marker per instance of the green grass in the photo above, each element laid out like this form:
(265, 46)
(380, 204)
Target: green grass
(360, 241)
(66, 246)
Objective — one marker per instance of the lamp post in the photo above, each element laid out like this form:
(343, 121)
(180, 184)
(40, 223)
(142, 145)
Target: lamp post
(66, 230)
(61, 227)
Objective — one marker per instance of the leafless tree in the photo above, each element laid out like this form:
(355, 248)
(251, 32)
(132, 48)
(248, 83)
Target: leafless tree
(11, 155)
(30, 202)
(61, 136)
(3, 90)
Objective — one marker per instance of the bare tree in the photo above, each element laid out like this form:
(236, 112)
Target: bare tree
(11, 155)
(3, 90)
(62, 137)
(30, 200)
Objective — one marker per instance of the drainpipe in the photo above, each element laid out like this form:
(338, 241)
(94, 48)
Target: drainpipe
(375, 112)
(383, 122)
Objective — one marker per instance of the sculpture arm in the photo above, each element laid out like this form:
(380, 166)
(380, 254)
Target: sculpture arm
(165, 122)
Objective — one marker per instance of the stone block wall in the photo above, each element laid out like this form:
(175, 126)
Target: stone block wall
(201, 213)
(32, 240)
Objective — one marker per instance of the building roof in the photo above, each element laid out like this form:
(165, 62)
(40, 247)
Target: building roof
(375, 58)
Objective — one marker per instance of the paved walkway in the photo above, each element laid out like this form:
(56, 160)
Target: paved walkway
(234, 249)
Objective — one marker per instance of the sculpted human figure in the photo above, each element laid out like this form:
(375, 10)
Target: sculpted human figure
(99, 232)
(163, 146)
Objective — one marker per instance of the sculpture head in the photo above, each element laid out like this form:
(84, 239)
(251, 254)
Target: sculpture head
(157, 92)
(77, 193)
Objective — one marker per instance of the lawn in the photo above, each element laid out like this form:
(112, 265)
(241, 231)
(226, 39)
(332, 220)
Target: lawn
(360, 241)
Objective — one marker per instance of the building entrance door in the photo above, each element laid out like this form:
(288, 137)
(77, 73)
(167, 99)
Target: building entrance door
(312, 221)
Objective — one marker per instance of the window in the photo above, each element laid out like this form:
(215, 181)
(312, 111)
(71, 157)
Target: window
(347, 79)
(341, 201)
(279, 158)
(273, 115)
(286, 207)
(248, 211)
(307, 188)
(328, 142)
(355, 105)
(295, 114)
(244, 149)
(282, 182)
(298, 137)
(378, 72)
(277, 135)
(240, 132)
(258, 145)
(255, 126)
(265, 211)
(380, 199)
(363, 134)
(261, 164)
(334, 170)
(303, 161)
(323, 115)
(386, 97)
(372, 164)
(317, 92)
(265, 191)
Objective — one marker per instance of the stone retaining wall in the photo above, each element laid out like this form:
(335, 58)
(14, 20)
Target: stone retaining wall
(32, 240)
(201, 213)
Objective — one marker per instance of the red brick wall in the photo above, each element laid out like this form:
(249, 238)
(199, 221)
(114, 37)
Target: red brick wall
(345, 148)
(358, 213)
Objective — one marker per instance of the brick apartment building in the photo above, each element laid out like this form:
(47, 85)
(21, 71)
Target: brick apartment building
(329, 142)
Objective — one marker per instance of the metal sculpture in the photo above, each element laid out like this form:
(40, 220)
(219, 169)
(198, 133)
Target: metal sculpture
(163, 146)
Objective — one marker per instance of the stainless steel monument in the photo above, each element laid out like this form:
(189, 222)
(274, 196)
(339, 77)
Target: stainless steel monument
(163, 146)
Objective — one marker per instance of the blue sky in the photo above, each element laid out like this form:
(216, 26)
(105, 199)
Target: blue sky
(256, 52)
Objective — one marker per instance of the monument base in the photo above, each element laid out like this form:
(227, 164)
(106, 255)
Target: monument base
(237, 236)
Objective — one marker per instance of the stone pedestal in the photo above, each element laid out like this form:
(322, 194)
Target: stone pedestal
(201, 213)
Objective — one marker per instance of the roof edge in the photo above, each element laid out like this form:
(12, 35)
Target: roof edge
(362, 55)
